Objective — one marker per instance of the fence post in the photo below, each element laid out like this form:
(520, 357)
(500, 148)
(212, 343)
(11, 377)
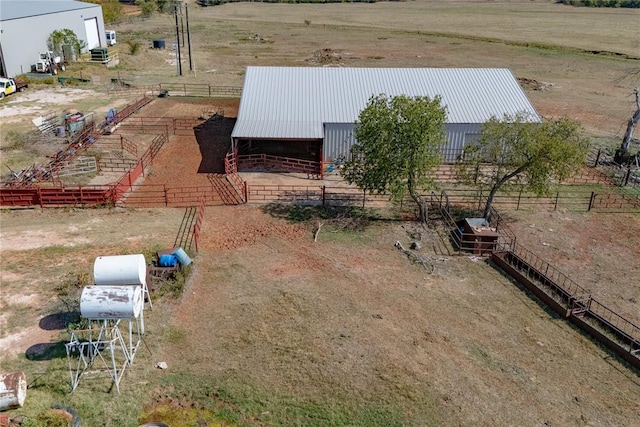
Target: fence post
(364, 197)
(556, 204)
(209, 90)
(322, 190)
(591, 200)
(626, 178)
(480, 199)
(246, 191)
(597, 158)
(166, 197)
(519, 196)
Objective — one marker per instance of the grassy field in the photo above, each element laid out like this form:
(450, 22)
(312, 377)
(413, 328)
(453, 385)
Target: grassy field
(274, 329)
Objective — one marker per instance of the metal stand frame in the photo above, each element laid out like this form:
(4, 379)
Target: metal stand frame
(104, 342)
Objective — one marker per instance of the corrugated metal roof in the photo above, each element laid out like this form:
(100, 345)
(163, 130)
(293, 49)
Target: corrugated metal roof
(10, 9)
(294, 102)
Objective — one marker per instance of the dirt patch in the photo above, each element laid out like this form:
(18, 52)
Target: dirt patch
(179, 107)
(44, 98)
(350, 318)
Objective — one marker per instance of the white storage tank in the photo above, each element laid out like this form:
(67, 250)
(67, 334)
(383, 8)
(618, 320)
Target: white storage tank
(111, 302)
(120, 270)
(13, 390)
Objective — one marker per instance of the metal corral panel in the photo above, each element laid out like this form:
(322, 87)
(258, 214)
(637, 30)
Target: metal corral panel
(120, 270)
(294, 102)
(111, 302)
(338, 139)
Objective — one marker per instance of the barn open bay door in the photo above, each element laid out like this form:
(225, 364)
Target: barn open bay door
(93, 36)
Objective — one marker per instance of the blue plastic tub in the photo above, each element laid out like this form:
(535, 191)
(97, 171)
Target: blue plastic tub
(168, 260)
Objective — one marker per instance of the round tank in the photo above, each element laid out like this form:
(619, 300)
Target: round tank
(13, 390)
(182, 256)
(111, 302)
(120, 270)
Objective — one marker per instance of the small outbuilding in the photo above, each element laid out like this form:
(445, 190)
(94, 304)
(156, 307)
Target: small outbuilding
(295, 119)
(26, 25)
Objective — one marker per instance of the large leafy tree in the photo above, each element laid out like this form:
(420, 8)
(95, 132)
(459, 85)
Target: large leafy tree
(518, 151)
(398, 142)
(65, 36)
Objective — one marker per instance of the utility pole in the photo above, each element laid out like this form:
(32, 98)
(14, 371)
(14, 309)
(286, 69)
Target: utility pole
(178, 44)
(186, 11)
(181, 24)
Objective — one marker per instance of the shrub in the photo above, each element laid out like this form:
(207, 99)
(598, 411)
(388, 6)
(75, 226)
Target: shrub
(134, 47)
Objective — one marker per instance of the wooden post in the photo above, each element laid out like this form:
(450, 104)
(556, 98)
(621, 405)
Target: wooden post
(364, 197)
(556, 204)
(322, 189)
(246, 191)
(591, 200)
(626, 178)
(597, 158)
(519, 196)
(166, 197)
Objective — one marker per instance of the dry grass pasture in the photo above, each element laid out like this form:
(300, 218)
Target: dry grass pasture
(276, 329)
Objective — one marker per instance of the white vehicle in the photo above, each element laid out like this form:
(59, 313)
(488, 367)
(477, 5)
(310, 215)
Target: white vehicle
(111, 37)
(49, 63)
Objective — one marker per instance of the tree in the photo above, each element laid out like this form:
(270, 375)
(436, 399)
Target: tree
(58, 38)
(112, 10)
(398, 142)
(516, 151)
(147, 6)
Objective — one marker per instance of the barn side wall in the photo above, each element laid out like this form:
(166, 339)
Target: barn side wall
(339, 137)
(24, 38)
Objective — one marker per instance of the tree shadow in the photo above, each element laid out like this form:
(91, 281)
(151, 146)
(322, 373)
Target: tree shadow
(58, 321)
(46, 351)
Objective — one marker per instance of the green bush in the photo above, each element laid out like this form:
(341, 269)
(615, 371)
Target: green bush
(134, 47)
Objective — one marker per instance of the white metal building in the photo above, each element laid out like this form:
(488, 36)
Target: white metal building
(310, 113)
(25, 26)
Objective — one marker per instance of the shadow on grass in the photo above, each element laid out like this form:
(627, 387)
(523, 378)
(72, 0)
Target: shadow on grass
(46, 351)
(58, 321)
(349, 217)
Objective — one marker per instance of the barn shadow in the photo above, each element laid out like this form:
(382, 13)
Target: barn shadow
(214, 139)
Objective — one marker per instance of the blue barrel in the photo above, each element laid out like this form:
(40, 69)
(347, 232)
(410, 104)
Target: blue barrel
(182, 256)
(168, 260)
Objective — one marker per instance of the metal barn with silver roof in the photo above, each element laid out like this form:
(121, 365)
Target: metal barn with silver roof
(309, 113)
(26, 26)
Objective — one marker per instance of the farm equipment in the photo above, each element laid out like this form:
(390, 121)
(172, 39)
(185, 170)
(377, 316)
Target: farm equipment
(49, 63)
(9, 86)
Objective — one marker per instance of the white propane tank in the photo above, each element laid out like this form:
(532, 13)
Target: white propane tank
(120, 270)
(111, 302)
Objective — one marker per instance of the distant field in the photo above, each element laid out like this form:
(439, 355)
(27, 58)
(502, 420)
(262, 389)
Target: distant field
(544, 41)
